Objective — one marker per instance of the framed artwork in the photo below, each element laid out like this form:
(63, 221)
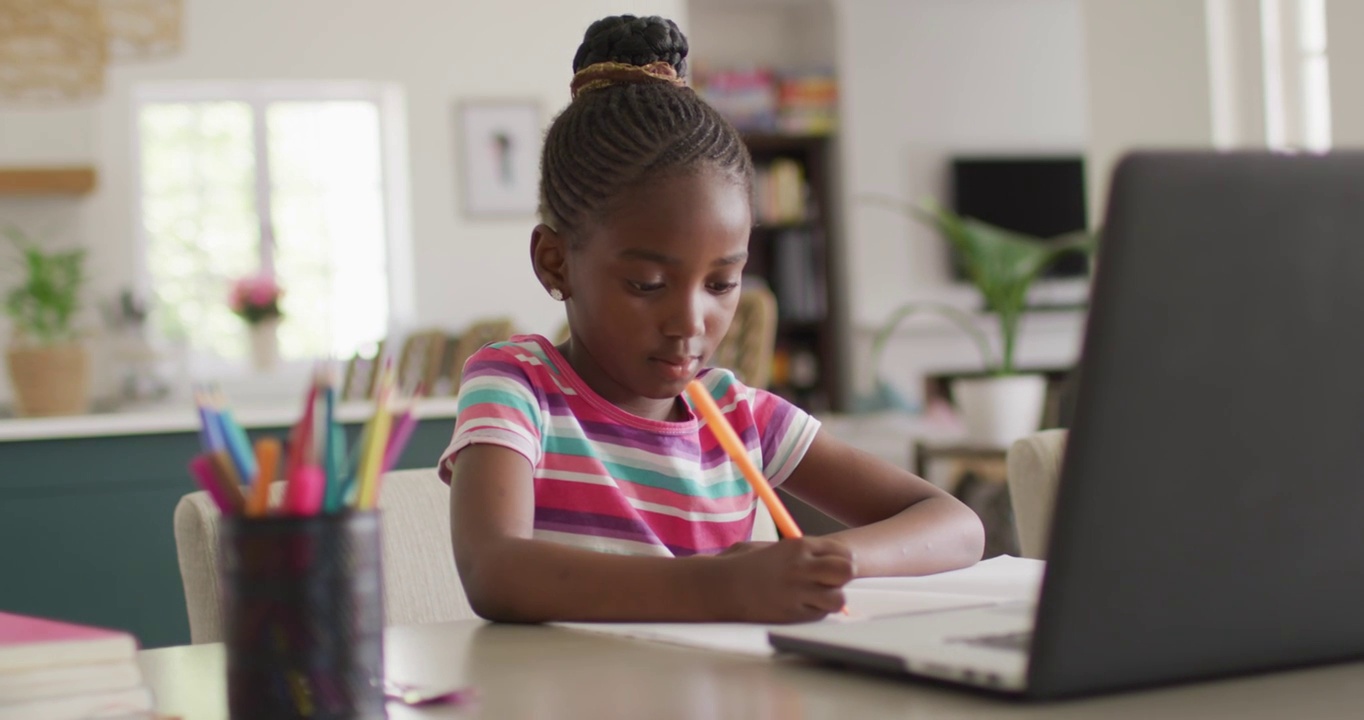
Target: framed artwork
(499, 153)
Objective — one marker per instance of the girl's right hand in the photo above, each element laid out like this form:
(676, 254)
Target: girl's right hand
(793, 580)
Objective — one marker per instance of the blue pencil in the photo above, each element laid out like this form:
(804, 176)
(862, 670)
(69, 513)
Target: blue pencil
(210, 431)
(205, 441)
(334, 449)
(238, 444)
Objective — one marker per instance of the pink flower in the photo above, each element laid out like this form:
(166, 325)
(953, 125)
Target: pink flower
(261, 291)
(255, 297)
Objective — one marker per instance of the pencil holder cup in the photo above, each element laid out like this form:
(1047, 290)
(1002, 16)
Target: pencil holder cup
(304, 616)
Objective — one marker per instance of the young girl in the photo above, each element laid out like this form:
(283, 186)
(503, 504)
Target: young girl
(583, 486)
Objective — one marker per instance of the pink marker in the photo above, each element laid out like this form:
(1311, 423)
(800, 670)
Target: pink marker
(303, 492)
(398, 440)
(201, 467)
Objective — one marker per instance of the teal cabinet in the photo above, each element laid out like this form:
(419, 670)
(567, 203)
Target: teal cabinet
(86, 531)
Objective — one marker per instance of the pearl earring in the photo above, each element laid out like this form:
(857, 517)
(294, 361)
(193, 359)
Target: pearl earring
(557, 294)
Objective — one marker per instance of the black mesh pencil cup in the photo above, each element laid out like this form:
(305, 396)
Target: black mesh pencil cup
(304, 616)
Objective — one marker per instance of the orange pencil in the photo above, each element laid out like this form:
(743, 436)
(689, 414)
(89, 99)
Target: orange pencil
(267, 459)
(729, 440)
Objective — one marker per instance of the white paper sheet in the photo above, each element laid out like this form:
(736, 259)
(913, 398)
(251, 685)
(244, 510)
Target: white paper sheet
(1002, 578)
(994, 581)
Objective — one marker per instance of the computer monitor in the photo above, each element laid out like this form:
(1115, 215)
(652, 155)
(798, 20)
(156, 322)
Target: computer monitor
(1042, 196)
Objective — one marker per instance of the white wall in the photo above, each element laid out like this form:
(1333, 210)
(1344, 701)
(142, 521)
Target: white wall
(922, 80)
(1236, 73)
(438, 50)
(1345, 50)
(776, 33)
(1148, 81)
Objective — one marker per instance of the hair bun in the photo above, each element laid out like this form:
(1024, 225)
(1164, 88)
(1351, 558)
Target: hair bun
(633, 41)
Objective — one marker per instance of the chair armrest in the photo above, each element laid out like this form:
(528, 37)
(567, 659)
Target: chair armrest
(1034, 469)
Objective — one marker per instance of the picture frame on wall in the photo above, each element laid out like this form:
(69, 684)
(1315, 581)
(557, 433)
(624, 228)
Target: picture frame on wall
(499, 157)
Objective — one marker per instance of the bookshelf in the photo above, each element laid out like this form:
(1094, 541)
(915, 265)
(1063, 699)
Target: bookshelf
(792, 249)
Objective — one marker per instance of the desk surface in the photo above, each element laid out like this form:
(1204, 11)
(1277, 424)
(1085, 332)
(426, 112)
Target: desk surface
(545, 672)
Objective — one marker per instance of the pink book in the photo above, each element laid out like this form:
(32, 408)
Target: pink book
(30, 642)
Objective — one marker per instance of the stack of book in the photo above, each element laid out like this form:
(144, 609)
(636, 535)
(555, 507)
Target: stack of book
(747, 97)
(807, 103)
(51, 670)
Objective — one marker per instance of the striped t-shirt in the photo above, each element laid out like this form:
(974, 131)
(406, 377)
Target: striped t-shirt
(614, 482)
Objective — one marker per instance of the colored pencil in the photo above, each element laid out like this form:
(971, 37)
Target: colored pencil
(210, 430)
(235, 439)
(303, 494)
(350, 491)
(205, 476)
(729, 440)
(333, 446)
(228, 479)
(371, 463)
(403, 428)
(267, 459)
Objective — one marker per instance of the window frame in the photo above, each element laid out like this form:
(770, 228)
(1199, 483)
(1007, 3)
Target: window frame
(1292, 120)
(390, 102)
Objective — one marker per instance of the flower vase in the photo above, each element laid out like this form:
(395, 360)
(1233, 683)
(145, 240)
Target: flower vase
(264, 344)
(50, 379)
(998, 410)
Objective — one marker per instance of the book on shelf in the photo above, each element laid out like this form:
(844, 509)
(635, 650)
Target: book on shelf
(747, 97)
(764, 99)
(780, 193)
(807, 103)
(796, 280)
(54, 670)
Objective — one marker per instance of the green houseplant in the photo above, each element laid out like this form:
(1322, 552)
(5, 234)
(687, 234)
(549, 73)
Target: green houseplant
(1002, 265)
(48, 364)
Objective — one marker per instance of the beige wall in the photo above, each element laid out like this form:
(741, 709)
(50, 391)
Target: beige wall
(1344, 25)
(438, 50)
(1148, 81)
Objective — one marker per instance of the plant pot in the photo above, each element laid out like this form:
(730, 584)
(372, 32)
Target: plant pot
(264, 337)
(999, 410)
(50, 379)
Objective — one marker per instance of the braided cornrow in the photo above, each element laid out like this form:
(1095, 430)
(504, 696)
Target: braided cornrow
(616, 137)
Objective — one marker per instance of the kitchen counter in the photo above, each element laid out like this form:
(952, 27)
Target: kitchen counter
(168, 418)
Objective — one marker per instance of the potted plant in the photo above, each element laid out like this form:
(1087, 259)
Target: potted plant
(255, 299)
(1002, 265)
(49, 365)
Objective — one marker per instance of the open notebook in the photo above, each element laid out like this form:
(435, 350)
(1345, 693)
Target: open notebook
(998, 580)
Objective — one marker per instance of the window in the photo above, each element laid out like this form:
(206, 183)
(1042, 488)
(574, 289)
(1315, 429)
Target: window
(1297, 87)
(294, 180)
(1316, 82)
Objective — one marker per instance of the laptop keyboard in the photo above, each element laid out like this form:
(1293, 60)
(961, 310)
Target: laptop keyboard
(1018, 641)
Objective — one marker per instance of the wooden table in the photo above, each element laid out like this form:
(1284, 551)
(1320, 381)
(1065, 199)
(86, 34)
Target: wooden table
(547, 672)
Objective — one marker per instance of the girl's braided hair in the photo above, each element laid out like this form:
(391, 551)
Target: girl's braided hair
(632, 119)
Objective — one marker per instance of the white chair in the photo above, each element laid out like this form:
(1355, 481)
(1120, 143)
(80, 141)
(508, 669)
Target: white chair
(1034, 469)
(421, 584)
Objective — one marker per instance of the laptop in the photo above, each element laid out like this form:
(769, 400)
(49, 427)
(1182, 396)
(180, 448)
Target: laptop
(1209, 519)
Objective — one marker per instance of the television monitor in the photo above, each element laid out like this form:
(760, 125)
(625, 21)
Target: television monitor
(1039, 196)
